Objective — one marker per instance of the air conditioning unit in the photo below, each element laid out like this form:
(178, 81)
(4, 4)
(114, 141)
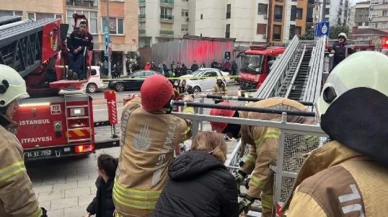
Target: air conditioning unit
(187, 19)
(266, 16)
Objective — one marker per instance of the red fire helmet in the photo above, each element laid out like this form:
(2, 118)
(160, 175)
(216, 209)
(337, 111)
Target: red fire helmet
(220, 127)
(155, 92)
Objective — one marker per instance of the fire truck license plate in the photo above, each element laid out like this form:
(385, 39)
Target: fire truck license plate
(36, 154)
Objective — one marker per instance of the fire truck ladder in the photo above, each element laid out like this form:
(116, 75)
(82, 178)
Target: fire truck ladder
(21, 44)
(298, 74)
(68, 110)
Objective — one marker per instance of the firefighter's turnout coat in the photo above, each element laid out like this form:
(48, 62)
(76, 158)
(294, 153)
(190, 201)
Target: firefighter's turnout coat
(17, 198)
(148, 142)
(337, 181)
(263, 143)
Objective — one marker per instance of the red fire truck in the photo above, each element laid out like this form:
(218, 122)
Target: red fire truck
(57, 119)
(255, 65)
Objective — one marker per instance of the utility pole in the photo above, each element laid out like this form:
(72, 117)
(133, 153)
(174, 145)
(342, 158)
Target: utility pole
(109, 42)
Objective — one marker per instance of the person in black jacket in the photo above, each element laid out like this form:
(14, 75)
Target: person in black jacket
(102, 205)
(77, 42)
(339, 50)
(200, 185)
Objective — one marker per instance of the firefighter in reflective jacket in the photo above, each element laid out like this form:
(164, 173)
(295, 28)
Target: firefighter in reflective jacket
(348, 175)
(16, 195)
(150, 134)
(263, 147)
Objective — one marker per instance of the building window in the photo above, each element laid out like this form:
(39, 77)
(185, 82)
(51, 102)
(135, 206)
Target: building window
(116, 25)
(142, 10)
(201, 16)
(38, 16)
(11, 13)
(227, 31)
(278, 12)
(309, 17)
(80, 3)
(261, 29)
(292, 31)
(277, 32)
(385, 12)
(166, 11)
(293, 13)
(327, 10)
(262, 8)
(185, 13)
(90, 15)
(185, 28)
(228, 11)
(299, 13)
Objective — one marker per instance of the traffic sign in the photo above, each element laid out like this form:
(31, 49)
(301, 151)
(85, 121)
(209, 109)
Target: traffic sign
(322, 29)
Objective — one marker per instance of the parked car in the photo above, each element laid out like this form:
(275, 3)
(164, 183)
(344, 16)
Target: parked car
(199, 81)
(132, 81)
(95, 82)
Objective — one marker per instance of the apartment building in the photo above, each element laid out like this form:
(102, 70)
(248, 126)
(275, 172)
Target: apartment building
(359, 15)
(379, 14)
(162, 20)
(122, 26)
(274, 21)
(336, 12)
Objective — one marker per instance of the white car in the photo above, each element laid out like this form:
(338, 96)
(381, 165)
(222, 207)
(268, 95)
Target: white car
(94, 82)
(199, 81)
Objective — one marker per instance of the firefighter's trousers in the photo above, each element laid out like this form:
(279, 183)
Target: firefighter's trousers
(267, 198)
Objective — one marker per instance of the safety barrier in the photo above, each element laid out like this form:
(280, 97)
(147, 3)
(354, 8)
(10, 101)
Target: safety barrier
(295, 140)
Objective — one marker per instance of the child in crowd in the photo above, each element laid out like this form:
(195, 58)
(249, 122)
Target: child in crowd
(102, 205)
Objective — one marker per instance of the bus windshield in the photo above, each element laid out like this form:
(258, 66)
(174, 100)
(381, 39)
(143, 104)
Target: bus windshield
(252, 63)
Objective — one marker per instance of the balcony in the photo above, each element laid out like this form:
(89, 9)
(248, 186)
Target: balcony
(166, 33)
(167, 3)
(142, 2)
(142, 17)
(278, 17)
(82, 3)
(164, 18)
(142, 32)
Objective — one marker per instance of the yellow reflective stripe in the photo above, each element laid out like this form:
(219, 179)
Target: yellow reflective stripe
(12, 170)
(37, 213)
(188, 110)
(250, 158)
(137, 194)
(266, 201)
(137, 204)
(271, 133)
(256, 182)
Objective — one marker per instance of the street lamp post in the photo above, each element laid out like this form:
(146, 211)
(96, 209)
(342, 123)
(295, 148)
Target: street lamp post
(108, 41)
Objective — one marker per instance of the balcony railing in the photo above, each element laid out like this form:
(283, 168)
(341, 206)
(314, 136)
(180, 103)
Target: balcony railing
(166, 17)
(142, 16)
(141, 1)
(278, 17)
(167, 32)
(79, 3)
(142, 31)
(169, 2)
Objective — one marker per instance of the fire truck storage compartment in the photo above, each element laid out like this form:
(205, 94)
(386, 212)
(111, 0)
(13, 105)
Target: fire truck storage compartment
(56, 126)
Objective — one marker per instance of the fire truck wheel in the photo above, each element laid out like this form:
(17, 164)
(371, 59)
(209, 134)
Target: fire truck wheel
(91, 88)
(197, 89)
(119, 87)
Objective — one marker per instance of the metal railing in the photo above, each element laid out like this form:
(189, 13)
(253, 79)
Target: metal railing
(294, 141)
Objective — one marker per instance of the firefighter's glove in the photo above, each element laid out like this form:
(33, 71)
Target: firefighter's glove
(239, 179)
(246, 204)
(44, 212)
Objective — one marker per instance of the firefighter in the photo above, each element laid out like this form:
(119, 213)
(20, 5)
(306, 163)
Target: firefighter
(339, 49)
(219, 89)
(79, 40)
(263, 143)
(16, 195)
(348, 175)
(150, 134)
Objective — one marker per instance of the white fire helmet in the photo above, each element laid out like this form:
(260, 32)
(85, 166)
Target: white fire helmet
(362, 69)
(343, 35)
(12, 86)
